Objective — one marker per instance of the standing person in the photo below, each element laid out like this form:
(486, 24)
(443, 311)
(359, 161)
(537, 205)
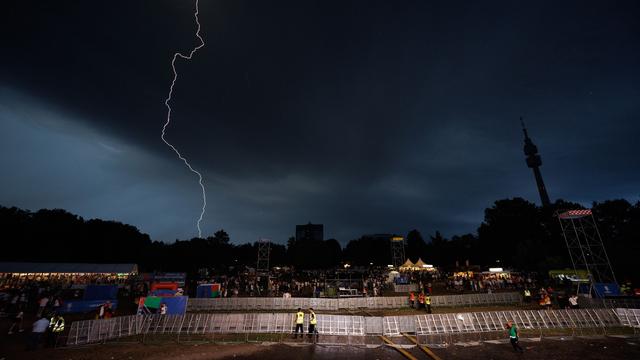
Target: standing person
(313, 321)
(23, 301)
(108, 312)
(17, 322)
(573, 301)
(42, 305)
(299, 323)
(14, 303)
(104, 311)
(56, 327)
(38, 330)
(163, 309)
(421, 301)
(547, 302)
(412, 299)
(513, 336)
(427, 303)
(527, 295)
(57, 303)
(101, 311)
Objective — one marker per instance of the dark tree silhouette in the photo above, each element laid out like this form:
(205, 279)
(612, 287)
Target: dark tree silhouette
(514, 231)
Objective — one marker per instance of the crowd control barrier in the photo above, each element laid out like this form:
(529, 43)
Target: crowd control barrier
(326, 304)
(423, 326)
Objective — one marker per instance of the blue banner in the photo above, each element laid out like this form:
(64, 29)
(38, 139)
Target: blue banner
(101, 292)
(606, 289)
(176, 305)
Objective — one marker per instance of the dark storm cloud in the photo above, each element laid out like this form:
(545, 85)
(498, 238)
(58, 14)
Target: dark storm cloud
(365, 116)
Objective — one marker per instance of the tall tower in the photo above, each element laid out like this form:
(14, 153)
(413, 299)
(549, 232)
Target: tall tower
(397, 251)
(534, 161)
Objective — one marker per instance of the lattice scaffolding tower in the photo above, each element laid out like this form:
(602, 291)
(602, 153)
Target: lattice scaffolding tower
(397, 251)
(585, 245)
(264, 253)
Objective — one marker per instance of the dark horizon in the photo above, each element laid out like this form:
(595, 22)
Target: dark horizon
(367, 117)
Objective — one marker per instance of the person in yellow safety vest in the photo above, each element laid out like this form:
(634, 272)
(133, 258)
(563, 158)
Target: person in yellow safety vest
(313, 321)
(56, 327)
(421, 301)
(299, 323)
(427, 302)
(527, 295)
(412, 299)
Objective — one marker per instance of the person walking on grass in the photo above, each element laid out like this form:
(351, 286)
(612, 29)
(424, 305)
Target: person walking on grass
(513, 336)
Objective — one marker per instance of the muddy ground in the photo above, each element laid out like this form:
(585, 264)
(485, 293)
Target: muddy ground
(547, 349)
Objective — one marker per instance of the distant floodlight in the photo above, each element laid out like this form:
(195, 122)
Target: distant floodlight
(495, 269)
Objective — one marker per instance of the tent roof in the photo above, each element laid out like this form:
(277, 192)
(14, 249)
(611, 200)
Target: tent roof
(26, 267)
(407, 263)
(420, 263)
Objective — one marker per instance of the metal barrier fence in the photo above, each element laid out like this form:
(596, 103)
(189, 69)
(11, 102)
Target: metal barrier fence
(629, 317)
(405, 288)
(444, 329)
(524, 319)
(97, 331)
(323, 304)
(611, 303)
(424, 326)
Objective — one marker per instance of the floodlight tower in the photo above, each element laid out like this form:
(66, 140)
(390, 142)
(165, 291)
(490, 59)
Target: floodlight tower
(585, 245)
(397, 251)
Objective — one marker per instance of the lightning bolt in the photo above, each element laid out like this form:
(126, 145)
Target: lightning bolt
(166, 102)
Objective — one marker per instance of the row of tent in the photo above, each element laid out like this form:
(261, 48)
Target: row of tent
(418, 265)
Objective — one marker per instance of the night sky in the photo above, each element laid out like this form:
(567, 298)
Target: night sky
(368, 117)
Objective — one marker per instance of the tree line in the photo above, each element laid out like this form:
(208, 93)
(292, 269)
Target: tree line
(515, 233)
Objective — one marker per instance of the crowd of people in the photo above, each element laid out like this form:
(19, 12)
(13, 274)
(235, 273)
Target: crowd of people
(284, 282)
(36, 301)
(469, 281)
(41, 298)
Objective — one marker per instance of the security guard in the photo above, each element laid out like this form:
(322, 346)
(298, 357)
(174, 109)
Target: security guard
(527, 295)
(56, 327)
(427, 302)
(313, 321)
(421, 300)
(299, 323)
(412, 299)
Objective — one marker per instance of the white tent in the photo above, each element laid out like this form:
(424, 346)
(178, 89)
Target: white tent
(420, 264)
(407, 264)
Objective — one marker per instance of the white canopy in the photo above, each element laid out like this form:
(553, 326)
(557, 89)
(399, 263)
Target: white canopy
(407, 264)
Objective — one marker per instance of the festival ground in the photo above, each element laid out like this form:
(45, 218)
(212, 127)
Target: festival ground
(547, 349)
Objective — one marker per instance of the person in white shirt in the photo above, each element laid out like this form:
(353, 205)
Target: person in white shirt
(37, 332)
(163, 309)
(43, 304)
(573, 301)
